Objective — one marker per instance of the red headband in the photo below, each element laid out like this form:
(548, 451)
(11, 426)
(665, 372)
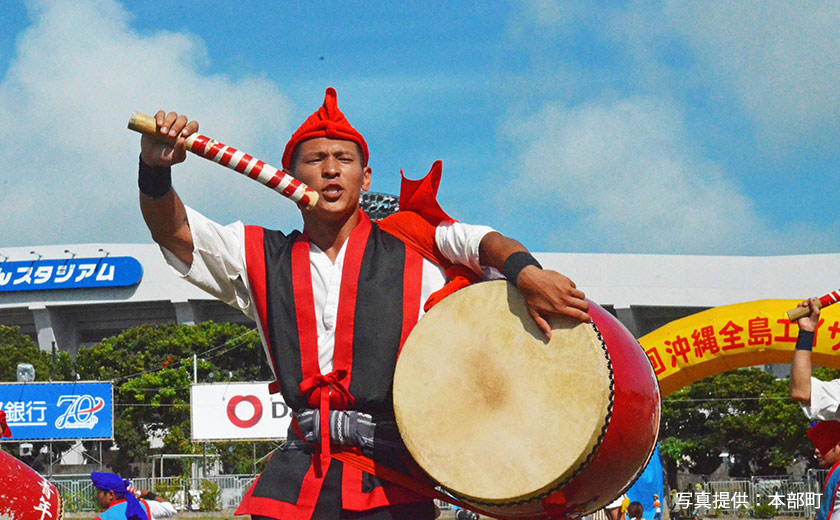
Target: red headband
(327, 121)
(825, 435)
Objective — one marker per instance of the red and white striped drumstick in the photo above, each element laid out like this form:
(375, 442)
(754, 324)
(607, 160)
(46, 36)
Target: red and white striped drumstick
(824, 301)
(278, 180)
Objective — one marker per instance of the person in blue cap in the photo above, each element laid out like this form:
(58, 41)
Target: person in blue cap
(116, 501)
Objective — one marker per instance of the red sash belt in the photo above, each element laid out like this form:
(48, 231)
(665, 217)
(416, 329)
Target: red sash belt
(317, 390)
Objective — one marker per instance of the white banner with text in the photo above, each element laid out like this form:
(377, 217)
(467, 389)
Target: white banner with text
(237, 411)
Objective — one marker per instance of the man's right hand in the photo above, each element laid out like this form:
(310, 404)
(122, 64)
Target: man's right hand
(157, 153)
(810, 321)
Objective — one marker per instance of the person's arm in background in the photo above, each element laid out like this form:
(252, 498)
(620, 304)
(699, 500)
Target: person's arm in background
(159, 506)
(800, 371)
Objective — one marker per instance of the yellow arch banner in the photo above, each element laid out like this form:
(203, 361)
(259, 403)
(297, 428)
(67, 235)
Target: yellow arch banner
(735, 336)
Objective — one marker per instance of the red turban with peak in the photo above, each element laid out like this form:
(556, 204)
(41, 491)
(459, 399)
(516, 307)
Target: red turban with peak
(327, 121)
(825, 435)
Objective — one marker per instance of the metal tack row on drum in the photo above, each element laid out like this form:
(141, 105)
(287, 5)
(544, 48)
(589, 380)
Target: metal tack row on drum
(518, 426)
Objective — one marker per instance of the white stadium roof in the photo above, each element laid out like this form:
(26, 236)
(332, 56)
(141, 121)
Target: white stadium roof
(645, 291)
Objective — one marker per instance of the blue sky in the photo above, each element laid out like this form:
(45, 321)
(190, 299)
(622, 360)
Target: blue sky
(625, 127)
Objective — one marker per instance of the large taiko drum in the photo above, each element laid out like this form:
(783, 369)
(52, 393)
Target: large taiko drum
(518, 426)
(26, 495)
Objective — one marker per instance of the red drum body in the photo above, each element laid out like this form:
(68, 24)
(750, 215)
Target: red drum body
(26, 495)
(521, 427)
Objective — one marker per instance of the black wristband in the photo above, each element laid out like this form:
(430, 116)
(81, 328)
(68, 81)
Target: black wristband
(150, 496)
(515, 263)
(154, 182)
(805, 340)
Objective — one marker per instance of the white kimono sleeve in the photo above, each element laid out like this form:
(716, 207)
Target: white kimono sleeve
(218, 265)
(459, 242)
(825, 400)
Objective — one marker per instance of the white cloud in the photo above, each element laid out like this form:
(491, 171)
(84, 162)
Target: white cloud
(627, 170)
(69, 163)
(774, 61)
(779, 58)
(619, 154)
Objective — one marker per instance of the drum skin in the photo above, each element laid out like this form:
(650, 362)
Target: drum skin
(613, 450)
(26, 495)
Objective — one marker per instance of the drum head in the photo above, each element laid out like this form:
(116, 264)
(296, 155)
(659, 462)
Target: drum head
(488, 408)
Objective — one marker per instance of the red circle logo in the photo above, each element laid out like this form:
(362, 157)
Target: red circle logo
(244, 423)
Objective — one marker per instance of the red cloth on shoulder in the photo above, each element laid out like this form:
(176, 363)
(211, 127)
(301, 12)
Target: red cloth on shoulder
(415, 224)
(420, 196)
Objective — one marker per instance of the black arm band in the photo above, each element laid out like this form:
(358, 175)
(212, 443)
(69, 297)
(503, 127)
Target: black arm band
(805, 340)
(154, 182)
(150, 496)
(516, 263)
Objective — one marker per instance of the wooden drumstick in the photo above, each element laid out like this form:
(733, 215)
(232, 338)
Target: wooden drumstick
(280, 181)
(824, 301)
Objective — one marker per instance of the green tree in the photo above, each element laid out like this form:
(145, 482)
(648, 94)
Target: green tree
(152, 370)
(746, 413)
(243, 457)
(16, 347)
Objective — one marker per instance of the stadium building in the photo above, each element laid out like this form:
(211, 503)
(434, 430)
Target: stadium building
(72, 296)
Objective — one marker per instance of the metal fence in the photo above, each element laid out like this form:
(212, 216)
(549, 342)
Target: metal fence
(184, 493)
(726, 498)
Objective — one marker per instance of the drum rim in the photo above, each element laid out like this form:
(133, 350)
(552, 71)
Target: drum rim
(60, 515)
(558, 485)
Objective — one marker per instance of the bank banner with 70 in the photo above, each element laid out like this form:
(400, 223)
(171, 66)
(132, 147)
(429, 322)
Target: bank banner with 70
(238, 412)
(58, 411)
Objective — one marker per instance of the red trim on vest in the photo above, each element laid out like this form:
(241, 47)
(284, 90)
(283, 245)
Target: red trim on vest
(301, 510)
(415, 483)
(412, 291)
(305, 308)
(354, 499)
(255, 263)
(346, 315)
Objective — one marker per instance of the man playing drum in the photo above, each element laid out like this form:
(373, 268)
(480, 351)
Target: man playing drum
(333, 305)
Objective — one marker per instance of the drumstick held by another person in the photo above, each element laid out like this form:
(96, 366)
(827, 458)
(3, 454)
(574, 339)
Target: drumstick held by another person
(819, 399)
(823, 301)
(332, 300)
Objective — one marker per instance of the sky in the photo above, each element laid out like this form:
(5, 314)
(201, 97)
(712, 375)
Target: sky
(672, 127)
